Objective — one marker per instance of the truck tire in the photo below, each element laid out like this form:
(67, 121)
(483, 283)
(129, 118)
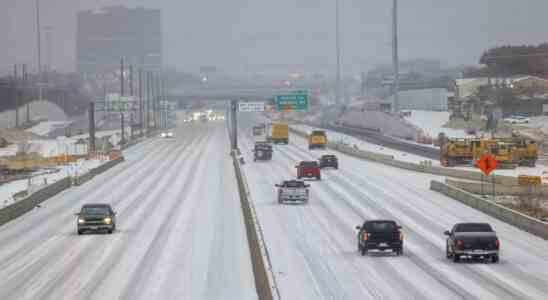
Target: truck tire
(456, 258)
(364, 250)
(80, 232)
(319, 177)
(447, 254)
(495, 258)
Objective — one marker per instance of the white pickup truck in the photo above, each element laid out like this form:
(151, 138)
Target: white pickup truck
(293, 191)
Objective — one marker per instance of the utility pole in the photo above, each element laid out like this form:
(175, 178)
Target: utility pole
(131, 80)
(395, 58)
(123, 141)
(122, 95)
(234, 119)
(147, 117)
(92, 127)
(141, 100)
(15, 88)
(25, 82)
(39, 51)
(153, 93)
(122, 77)
(338, 51)
(158, 95)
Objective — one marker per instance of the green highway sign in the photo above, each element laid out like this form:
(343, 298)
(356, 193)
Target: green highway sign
(297, 101)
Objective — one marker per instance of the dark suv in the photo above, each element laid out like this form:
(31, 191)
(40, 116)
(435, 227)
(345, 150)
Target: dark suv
(96, 217)
(380, 235)
(262, 151)
(329, 161)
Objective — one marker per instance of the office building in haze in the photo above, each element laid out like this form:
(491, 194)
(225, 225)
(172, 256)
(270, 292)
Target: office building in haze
(106, 35)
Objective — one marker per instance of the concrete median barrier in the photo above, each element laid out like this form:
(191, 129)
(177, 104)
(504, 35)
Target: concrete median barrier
(512, 217)
(500, 189)
(79, 180)
(262, 270)
(27, 204)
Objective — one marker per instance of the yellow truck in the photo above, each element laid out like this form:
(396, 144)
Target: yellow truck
(317, 139)
(279, 133)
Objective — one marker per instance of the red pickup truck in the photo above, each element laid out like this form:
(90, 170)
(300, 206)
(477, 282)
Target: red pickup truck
(308, 169)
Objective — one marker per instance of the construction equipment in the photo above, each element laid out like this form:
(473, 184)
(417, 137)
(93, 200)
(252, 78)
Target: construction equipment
(529, 180)
(465, 151)
(455, 152)
(525, 152)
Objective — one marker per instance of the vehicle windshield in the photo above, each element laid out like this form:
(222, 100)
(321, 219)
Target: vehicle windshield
(95, 210)
(293, 184)
(309, 164)
(382, 226)
(473, 227)
(321, 133)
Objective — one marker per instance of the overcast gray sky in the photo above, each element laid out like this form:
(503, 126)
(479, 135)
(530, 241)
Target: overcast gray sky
(290, 35)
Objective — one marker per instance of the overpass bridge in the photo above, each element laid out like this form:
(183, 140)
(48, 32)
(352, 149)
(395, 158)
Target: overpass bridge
(225, 93)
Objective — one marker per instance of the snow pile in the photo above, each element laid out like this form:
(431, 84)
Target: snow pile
(431, 122)
(540, 122)
(52, 148)
(10, 150)
(44, 128)
(43, 178)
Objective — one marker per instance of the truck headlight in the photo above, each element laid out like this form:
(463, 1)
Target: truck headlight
(81, 221)
(107, 220)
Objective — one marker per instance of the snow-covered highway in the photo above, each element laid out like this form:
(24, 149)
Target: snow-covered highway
(180, 233)
(313, 247)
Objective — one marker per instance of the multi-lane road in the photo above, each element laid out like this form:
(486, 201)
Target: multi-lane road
(181, 234)
(313, 247)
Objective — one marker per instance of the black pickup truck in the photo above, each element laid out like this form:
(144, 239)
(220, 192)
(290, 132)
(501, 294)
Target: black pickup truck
(472, 240)
(380, 235)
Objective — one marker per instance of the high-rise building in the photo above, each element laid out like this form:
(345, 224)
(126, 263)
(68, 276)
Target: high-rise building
(105, 36)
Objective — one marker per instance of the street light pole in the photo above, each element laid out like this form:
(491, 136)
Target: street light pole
(39, 51)
(338, 53)
(395, 58)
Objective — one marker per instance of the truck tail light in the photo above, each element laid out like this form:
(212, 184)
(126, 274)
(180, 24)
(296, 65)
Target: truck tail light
(365, 236)
(497, 244)
(460, 244)
(401, 235)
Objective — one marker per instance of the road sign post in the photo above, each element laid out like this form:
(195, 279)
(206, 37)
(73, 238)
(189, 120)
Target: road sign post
(487, 164)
